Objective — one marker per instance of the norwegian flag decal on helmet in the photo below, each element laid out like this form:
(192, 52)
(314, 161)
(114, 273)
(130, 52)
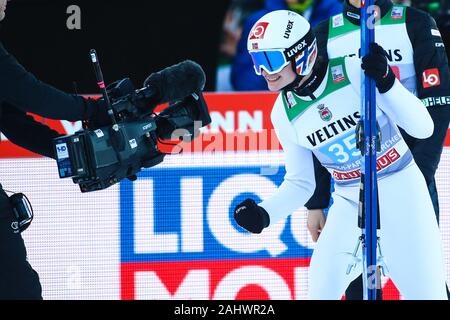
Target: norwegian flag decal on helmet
(306, 58)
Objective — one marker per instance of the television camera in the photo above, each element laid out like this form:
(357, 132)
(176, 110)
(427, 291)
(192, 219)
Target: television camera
(99, 156)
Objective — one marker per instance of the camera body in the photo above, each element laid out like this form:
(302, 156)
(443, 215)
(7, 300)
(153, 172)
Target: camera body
(100, 156)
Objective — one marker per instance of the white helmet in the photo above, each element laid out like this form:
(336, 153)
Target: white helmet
(279, 37)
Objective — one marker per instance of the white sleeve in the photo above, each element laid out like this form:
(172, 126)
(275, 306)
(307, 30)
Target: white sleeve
(400, 105)
(299, 182)
(407, 111)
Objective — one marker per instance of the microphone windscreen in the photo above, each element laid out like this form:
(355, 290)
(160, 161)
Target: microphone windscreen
(177, 82)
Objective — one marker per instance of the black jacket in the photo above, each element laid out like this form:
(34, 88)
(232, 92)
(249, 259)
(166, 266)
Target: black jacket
(21, 92)
(427, 55)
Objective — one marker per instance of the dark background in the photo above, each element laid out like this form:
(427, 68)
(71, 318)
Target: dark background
(133, 38)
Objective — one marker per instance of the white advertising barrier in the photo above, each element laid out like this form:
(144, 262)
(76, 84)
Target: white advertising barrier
(170, 234)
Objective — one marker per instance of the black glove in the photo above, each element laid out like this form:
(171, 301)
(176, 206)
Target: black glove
(251, 217)
(375, 65)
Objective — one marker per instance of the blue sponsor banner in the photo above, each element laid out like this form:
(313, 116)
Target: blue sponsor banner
(167, 214)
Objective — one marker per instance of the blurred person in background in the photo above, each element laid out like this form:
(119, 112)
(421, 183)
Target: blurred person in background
(243, 77)
(237, 13)
(417, 54)
(440, 11)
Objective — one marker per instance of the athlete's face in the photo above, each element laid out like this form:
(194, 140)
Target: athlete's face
(3, 9)
(277, 81)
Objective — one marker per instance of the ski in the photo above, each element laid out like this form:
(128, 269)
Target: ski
(369, 190)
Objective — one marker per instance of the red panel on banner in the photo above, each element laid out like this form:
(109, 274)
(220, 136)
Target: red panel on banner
(173, 276)
(240, 122)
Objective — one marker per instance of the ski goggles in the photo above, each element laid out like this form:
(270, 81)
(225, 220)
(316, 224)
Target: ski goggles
(274, 60)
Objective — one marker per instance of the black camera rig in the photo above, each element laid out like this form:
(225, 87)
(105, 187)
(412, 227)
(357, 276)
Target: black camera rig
(98, 157)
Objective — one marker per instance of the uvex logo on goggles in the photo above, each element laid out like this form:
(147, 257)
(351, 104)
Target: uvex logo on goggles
(300, 45)
(292, 52)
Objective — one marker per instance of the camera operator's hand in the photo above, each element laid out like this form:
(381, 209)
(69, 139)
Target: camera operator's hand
(376, 66)
(251, 217)
(99, 116)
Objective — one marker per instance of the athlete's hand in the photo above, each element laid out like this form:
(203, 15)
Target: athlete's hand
(376, 66)
(316, 222)
(251, 217)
